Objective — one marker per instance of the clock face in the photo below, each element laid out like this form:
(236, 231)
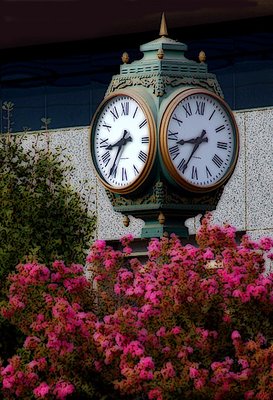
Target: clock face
(123, 142)
(199, 140)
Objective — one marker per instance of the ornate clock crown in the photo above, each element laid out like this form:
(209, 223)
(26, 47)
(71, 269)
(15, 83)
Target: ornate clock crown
(164, 59)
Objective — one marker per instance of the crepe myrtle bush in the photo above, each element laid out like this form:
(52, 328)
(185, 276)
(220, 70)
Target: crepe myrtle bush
(191, 322)
(41, 216)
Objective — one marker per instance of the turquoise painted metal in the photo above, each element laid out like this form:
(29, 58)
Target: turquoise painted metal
(157, 77)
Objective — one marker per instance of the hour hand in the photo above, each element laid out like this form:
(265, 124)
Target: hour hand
(120, 142)
(182, 141)
(194, 140)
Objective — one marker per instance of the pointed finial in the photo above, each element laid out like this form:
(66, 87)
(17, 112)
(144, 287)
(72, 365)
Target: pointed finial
(125, 58)
(160, 54)
(126, 221)
(163, 26)
(202, 56)
(161, 218)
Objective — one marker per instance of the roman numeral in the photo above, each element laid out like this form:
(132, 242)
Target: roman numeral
(177, 119)
(136, 171)
(212, 114)
(174, 151)
(194, 174)
(142, 156)
(106, 158)
(108, 127)
(104, 142)
(208, 172)
(172, 135)
(200, 107)
(143, 123)
(220, 128)
(181, 164)
(217, 160)
(114, 112)
(222, 145)
(124, 174)
(145, 139)
(187, 108)
(125, 108)
(135, 112)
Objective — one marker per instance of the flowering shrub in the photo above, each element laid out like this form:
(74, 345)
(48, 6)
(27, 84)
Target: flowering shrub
(49, 306)
(190, 323)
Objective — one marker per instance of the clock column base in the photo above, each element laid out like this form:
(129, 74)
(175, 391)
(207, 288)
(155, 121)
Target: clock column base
(156, 229)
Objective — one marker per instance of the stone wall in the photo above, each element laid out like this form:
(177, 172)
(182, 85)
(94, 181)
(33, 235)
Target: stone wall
(247, 201)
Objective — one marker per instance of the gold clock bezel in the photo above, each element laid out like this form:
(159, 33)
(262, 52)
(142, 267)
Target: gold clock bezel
(163, 141)
(140, 179)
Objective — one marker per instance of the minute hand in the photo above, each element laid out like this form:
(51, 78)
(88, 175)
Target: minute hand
(121, 143)
(199, 140)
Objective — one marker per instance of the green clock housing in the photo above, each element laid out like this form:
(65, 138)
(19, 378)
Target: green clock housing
(163, 141)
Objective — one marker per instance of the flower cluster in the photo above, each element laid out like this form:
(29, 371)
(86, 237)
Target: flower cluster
(47, 304)
(189, 322)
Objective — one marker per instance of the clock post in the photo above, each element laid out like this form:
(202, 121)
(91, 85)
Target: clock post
(163, 141)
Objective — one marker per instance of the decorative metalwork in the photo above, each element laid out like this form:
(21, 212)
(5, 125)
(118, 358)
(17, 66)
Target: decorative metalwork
(163, 196)
(158, 83)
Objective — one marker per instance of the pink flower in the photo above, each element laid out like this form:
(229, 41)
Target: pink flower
(266, 243)
(17, 302)
(235, 335)
(98, 365)
(108, 264)
(9, 382)
(134, 348)
(155, 394)
(249, 395)
(146, 375)
(199, 383)
(168, 370)
(125, 240)
(9, 370)
(31, 342)
(193, 372)
(166, 349)
(127, 250)
(146, 362)
(100, 244)
(208, 255)
(226, 318)
(42, 390)
(117, 289)
(63, 389)
(176, 330)
(161, 332)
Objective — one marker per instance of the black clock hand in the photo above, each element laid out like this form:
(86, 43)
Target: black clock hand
(121, 143)
(199, 140)
(192, 141)
(114, 163)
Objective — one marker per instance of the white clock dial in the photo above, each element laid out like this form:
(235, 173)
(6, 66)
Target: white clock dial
(123, 142)
(199, 140)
